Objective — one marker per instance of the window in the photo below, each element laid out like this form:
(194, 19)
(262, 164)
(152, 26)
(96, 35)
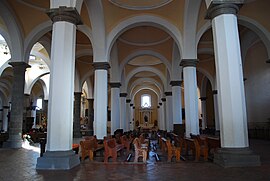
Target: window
(39, 104)
(145, 101)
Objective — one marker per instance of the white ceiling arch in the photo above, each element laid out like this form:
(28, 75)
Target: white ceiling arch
(146, 52)
(139, 82)
(142, 69)
(140, 20)
(144, 88)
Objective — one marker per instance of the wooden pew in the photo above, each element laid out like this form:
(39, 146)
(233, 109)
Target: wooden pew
(89, 147)
(139, 150)
(111, 149)
(126, 142)
(173, 151)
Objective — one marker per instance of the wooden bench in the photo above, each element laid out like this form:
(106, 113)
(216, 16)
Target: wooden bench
(111, 149)
(89, 147)
(126, 142)
(139, 150)
(173, 151)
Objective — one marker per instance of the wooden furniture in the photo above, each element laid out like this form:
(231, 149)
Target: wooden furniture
(75, 147)
(139, 150)
(89, 147)
(173, 151)
(126, 142)
(201, 148)
(111, 149)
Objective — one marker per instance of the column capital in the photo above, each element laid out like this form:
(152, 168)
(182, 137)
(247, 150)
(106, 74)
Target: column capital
(163, 99)
(21, 65)
(214, 91)
(90, 99)
(123, 94)
(63, 13)
(131, 105)
(189, 62)
(101, 65)
(115, 84)
(128, 100)
(168, 93)
(267, 61)
(176, 83)
(218, 7)
(160, 104)
(158, 107)
(203, 98)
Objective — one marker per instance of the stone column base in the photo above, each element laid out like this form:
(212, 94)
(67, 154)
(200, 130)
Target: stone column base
(13, 144)
(57, 160)
(236, 157)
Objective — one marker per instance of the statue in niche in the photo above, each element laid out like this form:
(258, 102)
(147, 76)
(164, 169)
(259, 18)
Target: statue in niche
(145, 119)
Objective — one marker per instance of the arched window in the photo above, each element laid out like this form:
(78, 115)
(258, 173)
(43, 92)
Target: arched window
(145, 101)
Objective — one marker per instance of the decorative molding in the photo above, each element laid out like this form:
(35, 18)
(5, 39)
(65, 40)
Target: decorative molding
(215, 92)
(176, 83)
(115, 84)
(77, 93)
(123, 94)
(163, 99)
(168, 93)
(63, 13)
(203, 98)
(101, 65)
(140, 7)
(217, 8)
(160, 104)
(6, 107)
(128, 100)
(131, 105)
(145, 44)
(189, 62)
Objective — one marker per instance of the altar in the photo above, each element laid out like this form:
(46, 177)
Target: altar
(145, 118)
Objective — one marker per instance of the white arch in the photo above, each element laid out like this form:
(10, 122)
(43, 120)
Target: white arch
(43, 57)
(143, 88)
(208, 75)
(3, 67)
(139, 82)
(146, 52)
(28, 86)
(259, 29)
(5, 36)
(89, 85)
(147, 69)
(252, 24)
(14, 30)
(144, 20)
(35, 35)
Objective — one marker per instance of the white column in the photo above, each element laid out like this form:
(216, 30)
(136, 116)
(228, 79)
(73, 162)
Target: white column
(34, 116)
(128, 112)
(191, 96)
(59, 154)
(231, 98)
(204, 120)
(115, 106)
(177, 102)
(169, 111)
(101, 98)
(123, 110)
(217, 122)
(5, 118)
(60, 108)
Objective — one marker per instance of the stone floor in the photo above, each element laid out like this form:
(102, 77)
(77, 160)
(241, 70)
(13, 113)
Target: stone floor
(19, 164)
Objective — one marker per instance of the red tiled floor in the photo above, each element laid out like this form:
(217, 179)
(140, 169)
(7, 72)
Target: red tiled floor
(19, 164)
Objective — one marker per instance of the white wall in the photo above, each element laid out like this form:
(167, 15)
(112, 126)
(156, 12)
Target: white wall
(257, 86)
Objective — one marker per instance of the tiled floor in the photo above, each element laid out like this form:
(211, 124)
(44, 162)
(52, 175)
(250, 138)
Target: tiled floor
(19, 164)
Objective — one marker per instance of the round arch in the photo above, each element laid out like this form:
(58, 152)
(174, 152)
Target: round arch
(143, 20)
(147, 69)
(146, 52)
